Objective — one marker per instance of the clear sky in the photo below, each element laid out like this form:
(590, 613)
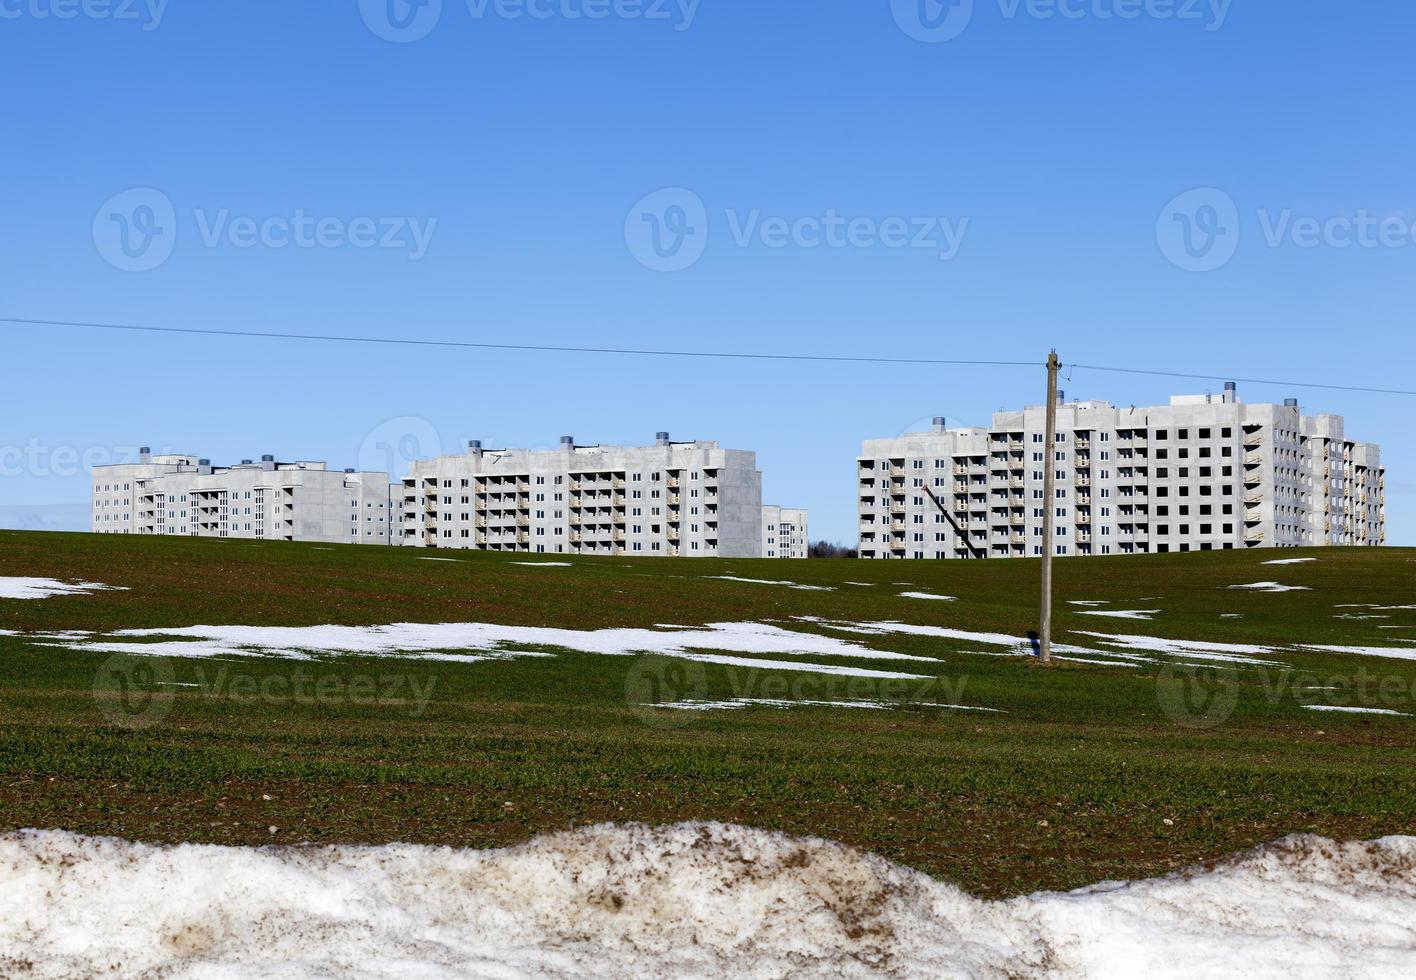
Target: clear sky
(917, 178)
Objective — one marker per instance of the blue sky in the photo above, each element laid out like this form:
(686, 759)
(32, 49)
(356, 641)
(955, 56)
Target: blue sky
(1005, 190)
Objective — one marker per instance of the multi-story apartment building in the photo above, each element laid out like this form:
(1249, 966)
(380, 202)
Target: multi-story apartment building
(692, 499)
(1206, 472)
(784, 532)
(306, 501)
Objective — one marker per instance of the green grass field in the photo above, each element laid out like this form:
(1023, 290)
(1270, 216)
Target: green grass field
(1082, 772)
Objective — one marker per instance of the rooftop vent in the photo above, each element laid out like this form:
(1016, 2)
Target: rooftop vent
(1290, 403)
(568, 442)
(474, 444)
(661, 438)
(349, 469)
(245, 462)
(1061, 397)
(267, 458)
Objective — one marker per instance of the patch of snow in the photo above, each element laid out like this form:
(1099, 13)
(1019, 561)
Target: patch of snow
(1121, 613)
(1088, 602)
(1355, 711)
(764, 581)
(928, 595)
(1237, 653)
(1272, 587)
(690, 900)
(439, 559)
(1231, 615)
(452, 641)
(736, 703)
(545, 564)
(1289, 561)
(21, 587)
(1390, 653)
(867, 585)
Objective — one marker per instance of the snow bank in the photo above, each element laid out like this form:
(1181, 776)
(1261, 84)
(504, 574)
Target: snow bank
(692, 900)
(1272, 587)
(928, 595)
(20, 587)
(1289, 561)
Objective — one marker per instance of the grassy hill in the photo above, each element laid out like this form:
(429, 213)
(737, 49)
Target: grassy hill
(1127, 759)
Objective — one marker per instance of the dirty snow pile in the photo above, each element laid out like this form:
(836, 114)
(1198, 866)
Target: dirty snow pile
(689, 900)
(20, 587)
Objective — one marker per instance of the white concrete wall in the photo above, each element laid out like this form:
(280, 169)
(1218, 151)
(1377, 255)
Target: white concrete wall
(1202, 473)
(785, 533)
(671, 499)
(272, 501)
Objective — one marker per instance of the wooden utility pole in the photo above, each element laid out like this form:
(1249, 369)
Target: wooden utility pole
(1048, 491)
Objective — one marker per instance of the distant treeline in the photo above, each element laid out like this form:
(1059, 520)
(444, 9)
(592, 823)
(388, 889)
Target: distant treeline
(826, 549)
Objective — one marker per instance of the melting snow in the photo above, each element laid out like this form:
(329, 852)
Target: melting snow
(1121, 613)
(1237, 653)
(1391, 653)
(1272, 587)
(928, 595)
(1355, 711)
(435, 640)
(691, 900)
(545, 564)
(1289, 561)
(1088, 602)
(12, 587)
(763, 581)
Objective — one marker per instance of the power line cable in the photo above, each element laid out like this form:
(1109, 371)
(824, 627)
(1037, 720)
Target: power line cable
(656, 352)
